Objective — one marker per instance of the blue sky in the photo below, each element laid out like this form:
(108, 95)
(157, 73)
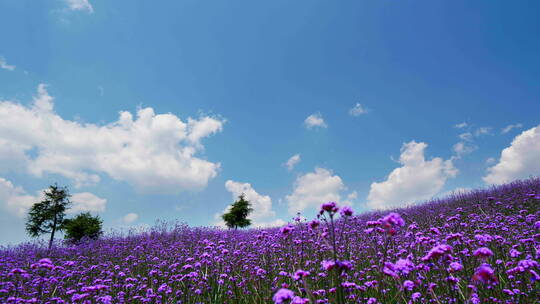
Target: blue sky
(384, 102)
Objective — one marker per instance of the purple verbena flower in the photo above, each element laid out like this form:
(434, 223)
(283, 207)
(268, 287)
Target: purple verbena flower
(455, 266)
(485, 274)
(328, 265)
(330, 207)
(346, 211)
(436, 252)
(282, 295)
(483, 252)
(314, 224)
(408, 284)
(300, 274)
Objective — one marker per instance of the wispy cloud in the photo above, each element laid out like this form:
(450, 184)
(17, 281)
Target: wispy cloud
(130, 218)
(357, 110)
(462, 148)
(295, 159)
(510, 127)
(482, 131)
(315, 120)
(460, 125)
(467, 136)
(80, 5)
(4, 65)
(466, 145)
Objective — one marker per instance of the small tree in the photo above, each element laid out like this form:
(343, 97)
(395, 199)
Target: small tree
(47, 216)
(82, 226)
(238, 213)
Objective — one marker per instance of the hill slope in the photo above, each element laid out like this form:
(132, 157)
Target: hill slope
(479, 247)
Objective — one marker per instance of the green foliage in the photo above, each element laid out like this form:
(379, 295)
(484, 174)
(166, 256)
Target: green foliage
(47, 216)
(238, 212)
(82, 226)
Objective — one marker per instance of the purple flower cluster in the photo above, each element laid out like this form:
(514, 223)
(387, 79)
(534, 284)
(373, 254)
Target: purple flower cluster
(478, 247)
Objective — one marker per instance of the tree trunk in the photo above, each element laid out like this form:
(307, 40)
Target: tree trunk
(52, 233)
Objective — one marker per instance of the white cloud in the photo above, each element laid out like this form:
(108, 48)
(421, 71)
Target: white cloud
(416, 180)
(351, 197)
(86, 201)
(201, 128)
(467, 136)
(262, 204)
(4, 65)
(314, 188)
(154, 153)
(357, 110)
(520, 160)
(482, 131)
(295, 159)
(12, 156)
(460, 125)
(491, 160)
(466, 146)
(268, 224)
(80, 5)
(462, 148)
(129, 218)
(510, 127)
(17, 201)
(315, 120)
(457, 191)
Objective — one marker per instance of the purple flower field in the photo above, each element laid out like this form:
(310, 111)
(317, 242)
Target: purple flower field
(478, 247)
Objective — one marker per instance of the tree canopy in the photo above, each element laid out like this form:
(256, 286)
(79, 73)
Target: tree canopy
(238, 212)
(47, 216)
(82, 226)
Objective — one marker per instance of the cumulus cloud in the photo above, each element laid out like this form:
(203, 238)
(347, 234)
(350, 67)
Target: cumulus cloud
(4, 65)
(86, 201)
(510, 127)
(12, 156)
(295, 159)
(17, 201)
(417, 179)
(357, 110)
(129, 218)
(314, 188)
(460, 125)
(154, 153)
(315, 120)
(80, 5)
(262, 214)
(520, 160)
